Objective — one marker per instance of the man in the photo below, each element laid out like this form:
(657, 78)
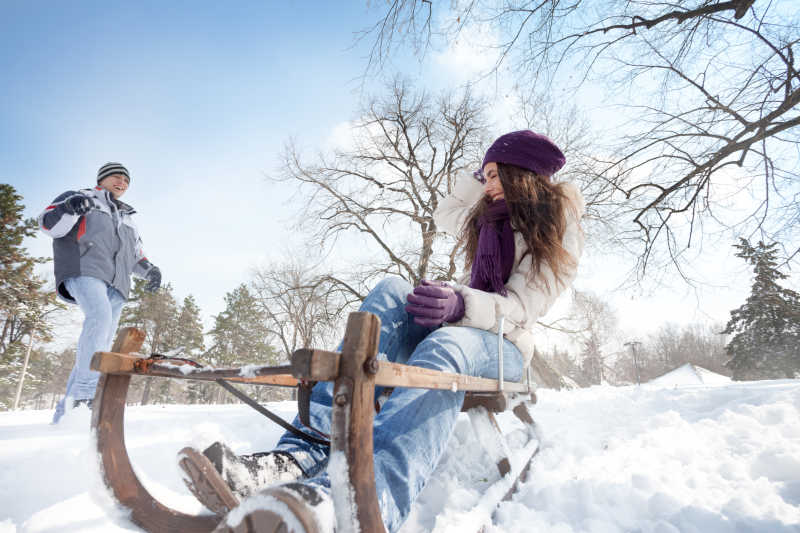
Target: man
(96, 248)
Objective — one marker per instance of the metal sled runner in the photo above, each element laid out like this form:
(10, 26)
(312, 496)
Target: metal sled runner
(355, 372)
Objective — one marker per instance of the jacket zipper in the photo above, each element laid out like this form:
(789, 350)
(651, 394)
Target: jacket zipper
(113, 207)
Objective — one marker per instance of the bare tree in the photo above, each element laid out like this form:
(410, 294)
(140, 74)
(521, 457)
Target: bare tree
(296, 306)
(712, 88)
(569, 126)
(406, 151)
(598, 323)
(381, 189)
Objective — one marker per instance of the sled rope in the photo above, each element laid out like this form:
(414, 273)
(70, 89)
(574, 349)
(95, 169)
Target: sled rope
(269, 414)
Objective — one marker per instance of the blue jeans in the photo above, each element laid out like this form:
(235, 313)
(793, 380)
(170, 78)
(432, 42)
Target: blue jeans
(101, 305)
(413, 427)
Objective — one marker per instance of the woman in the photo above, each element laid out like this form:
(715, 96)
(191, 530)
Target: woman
(522, 240)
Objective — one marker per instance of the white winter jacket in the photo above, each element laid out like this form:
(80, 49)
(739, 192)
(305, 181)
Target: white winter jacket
(526, 301)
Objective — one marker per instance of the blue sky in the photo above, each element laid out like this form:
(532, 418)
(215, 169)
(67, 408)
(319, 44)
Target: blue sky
(148, 82)
(197, 99)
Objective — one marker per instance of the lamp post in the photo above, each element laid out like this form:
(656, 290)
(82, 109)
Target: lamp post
(633, 345)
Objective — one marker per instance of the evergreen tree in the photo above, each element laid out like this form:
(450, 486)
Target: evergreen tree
(156, 314)
(24, 304)
(766, 329)
(19, 287)
(240, 335)
(189, 337)
(52, 371)
(189, 328)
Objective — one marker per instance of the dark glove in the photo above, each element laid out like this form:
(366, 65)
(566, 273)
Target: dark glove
(153, 280)
(434, 302)
(77, 204)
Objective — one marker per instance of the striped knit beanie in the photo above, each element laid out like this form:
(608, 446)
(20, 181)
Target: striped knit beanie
(112, 168)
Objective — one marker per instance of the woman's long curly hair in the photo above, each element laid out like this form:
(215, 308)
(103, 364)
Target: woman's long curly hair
(537, 210)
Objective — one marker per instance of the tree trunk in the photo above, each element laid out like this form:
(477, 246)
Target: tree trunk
(146, 391)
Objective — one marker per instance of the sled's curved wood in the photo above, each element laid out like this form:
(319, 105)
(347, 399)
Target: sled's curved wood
(108, 410)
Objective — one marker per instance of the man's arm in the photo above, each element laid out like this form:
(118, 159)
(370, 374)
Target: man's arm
(145, 269)
(61, 215)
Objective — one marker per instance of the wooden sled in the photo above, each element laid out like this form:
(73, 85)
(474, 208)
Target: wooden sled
(355, 371)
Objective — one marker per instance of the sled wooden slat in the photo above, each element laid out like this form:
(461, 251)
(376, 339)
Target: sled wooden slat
(319, 365)
(315, 365)
(522, 413)
(108, 410)
(397, 375)
(113, 362)
(312, 365)
(120, 363)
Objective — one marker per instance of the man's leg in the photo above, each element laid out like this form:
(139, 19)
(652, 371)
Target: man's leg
(92, 297)
(117, 302)
(61, 404)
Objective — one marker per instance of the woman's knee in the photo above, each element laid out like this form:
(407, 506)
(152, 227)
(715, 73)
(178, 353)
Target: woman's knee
(393, 286)
(443, 350)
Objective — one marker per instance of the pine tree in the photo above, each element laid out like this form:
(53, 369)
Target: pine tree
(157, 315)
(19, 287)
(24, 304)
(189, 337)
(240, 335)
(189, 330)
(50, 371)
(766, 341)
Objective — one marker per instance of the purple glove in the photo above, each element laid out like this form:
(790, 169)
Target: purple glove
(434, 302)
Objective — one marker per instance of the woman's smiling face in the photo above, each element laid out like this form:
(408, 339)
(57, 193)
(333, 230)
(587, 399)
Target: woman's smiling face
(492, 188)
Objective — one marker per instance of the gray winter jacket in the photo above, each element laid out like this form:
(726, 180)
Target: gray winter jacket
(103, 243)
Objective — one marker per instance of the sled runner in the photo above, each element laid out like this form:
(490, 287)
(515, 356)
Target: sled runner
(355, 372)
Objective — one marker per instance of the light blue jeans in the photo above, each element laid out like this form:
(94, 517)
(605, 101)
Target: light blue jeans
(101, 305)
(413, 427)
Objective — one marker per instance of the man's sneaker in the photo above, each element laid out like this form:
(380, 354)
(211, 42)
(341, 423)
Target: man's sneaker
(282, 508)
(242, 474)
(87, 402)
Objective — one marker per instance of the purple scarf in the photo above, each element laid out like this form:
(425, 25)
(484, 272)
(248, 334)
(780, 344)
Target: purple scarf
(494, 259)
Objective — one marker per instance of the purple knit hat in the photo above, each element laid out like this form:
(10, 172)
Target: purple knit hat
(528, 150)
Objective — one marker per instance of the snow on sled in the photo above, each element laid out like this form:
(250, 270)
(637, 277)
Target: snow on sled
(355, 372)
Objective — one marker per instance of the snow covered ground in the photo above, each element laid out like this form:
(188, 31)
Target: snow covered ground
(682, 457)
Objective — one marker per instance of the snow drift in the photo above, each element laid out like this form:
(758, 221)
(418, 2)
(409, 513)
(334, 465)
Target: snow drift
(687, 457)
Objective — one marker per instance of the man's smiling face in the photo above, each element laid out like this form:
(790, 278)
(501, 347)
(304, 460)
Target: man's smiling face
(116, 184)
